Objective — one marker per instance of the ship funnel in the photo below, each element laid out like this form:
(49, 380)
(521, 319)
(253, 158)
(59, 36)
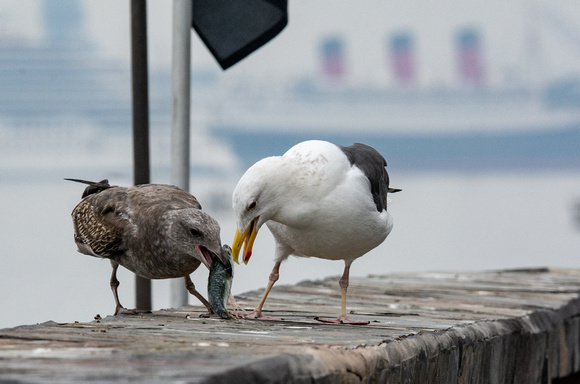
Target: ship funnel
(333, 58)
(470, 57)
(402, 58)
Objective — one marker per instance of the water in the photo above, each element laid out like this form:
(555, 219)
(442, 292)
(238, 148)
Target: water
(443, 221)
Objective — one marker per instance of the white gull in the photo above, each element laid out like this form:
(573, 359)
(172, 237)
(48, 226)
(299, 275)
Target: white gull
(318, 200)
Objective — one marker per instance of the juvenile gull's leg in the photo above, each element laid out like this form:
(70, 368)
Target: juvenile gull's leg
(191, 288)
(119, 309)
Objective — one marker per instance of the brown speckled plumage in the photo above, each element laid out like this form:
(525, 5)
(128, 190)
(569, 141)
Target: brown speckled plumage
(156, 231)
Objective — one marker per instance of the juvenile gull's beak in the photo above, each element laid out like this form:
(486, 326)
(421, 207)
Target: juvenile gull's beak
(206, 255)
(247, 238)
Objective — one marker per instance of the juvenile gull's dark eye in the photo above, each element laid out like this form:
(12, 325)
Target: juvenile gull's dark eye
(195, 232)
(252, 205)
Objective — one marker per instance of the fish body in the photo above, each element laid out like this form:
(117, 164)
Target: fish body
(219, 283)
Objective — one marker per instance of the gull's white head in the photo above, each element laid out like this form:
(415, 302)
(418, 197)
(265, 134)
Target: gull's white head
(254, 202)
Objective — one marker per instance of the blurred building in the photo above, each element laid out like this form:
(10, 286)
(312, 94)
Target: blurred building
(66, 108)
(62, 78)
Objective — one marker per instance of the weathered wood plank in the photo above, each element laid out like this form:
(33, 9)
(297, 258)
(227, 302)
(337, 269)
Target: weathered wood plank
(486, 327)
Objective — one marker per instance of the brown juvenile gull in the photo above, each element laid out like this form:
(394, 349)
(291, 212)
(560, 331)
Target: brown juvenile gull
(318, 200)
(156, 231)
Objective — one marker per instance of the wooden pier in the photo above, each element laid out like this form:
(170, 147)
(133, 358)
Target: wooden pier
(481, 327)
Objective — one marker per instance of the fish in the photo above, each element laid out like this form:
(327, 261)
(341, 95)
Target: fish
(219, 283)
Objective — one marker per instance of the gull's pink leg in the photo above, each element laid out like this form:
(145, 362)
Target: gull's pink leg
(257, 313)
(119, 309)
(343, 319)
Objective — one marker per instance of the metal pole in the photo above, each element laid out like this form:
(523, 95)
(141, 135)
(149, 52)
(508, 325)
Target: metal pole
(140, 121)
(180, 85)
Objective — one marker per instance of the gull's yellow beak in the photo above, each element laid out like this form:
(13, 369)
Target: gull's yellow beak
(247, 238)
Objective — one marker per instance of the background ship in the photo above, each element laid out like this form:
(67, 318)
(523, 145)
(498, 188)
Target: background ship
(62, 94)
(465, 125)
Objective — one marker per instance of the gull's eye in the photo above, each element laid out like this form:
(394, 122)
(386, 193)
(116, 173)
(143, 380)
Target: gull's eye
(252, 205)
(195, 232)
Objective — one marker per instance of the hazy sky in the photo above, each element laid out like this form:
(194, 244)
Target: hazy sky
(521, 38)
